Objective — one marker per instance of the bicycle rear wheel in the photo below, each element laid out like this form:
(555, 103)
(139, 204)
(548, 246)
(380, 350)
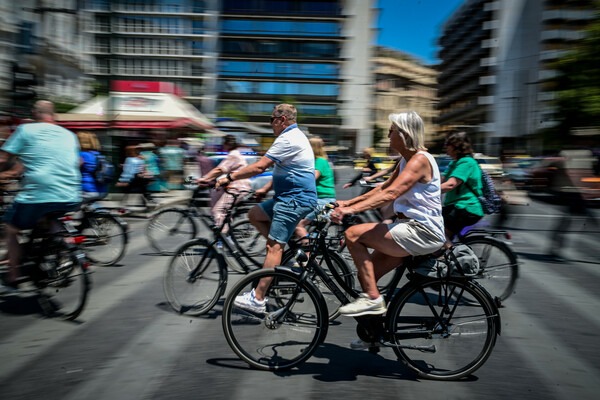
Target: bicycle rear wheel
(445, 330)
(105, 238)
(249, 241)
(169, 228)
(339, 271)
(64, 283)
(195, 279)
(499, 267)
(287, 332)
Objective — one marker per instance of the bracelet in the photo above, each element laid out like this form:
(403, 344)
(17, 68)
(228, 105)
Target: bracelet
(229, 178)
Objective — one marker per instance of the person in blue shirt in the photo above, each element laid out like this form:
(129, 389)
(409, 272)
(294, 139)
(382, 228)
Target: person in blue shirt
(51, 183)
(295, 193)
(90, 150)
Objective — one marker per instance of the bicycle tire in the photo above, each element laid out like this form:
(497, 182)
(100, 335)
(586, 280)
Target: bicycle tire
(63, 281)
(169, 228)
(343, 276)
(195, 295)
(261, 339)
(499, 267)
(251, 243)
(105, 238)
(472, 325)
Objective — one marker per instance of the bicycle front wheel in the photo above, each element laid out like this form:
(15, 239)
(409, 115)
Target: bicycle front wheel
(499, 267)
(443, 330)
(169, 228)
(105, 238)
(64, 282)
(284, 334)
(195, 279)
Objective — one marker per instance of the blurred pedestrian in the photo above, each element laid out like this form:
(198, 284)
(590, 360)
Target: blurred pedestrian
(134, 178)
(151, 160)
(89, 153)
(172, 157)
(368, 170)
(462, 185)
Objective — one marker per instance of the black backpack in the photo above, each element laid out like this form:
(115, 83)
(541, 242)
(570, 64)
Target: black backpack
(490, 201)
(104, 172)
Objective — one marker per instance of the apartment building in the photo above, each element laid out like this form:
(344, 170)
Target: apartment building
(496, 75)
(44, 37)
(403, 83)
(314, 54)
(171, 41)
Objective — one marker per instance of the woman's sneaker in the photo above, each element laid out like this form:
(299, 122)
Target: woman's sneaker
(363, 305)
(248, 301)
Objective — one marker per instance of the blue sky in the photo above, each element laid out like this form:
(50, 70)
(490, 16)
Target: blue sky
(413, 25)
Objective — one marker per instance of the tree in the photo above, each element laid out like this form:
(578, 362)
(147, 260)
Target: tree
(578, 81)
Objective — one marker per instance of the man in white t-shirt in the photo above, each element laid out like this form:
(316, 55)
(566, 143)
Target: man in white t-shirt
(295, 192)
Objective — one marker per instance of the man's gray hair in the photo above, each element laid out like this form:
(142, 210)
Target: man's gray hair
(286, 110)
(411, 123)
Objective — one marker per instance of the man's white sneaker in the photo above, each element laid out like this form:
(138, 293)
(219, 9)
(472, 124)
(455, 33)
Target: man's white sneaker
(363, 305)
(359, 344)
(248, 301)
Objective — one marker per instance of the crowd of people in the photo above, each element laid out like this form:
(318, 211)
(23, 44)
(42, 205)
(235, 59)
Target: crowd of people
(60, 170)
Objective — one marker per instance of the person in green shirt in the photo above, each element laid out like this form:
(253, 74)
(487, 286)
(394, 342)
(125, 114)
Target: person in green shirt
(325, 183)
(463, 176)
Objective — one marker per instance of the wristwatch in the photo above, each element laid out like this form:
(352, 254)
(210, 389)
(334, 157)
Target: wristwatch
(229, 178)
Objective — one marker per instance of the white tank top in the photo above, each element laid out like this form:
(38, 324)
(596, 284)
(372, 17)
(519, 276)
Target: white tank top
(422, 202)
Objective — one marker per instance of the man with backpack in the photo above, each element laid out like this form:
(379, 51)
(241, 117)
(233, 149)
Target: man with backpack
(96, 171)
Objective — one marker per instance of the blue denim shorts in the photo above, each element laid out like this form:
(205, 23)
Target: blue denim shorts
(320, 203)
(284, 218)
(26, 215)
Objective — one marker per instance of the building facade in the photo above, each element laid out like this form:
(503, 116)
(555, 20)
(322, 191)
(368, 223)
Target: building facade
(44, 38)
(312, 54)
(496, 75)
(171, 41)
(403, 83)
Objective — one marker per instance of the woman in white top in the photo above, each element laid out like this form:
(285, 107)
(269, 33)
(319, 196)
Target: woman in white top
(419, 228)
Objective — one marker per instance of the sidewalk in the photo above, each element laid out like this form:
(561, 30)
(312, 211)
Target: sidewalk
(134, 203)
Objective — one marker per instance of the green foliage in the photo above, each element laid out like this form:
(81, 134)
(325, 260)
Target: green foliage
(230, 111)
(578, 81)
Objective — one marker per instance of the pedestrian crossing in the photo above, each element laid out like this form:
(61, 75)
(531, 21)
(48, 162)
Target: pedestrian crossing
(155, 353)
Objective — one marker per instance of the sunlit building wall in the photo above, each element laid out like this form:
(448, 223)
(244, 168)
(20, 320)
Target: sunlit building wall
(45, 36)
(403, 83)
(157, 40)
(496, 78)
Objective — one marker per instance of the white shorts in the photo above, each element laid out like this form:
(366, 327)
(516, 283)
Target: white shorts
(414, 237)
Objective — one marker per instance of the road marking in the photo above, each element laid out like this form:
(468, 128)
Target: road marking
(28, 343)
(564, 372)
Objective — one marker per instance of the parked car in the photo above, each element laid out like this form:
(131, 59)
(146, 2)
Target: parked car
(491, 165)
(520, 169)
(442, 161)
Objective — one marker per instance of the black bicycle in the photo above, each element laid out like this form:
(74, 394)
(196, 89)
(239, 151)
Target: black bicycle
(197, 274)
(55, 269)
(443, 328)
(105, 235)
(169, 228)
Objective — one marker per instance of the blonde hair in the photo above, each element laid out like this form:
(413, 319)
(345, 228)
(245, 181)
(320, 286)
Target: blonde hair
(369, 151)
(410, 123)
(318, 147)
(88, 141)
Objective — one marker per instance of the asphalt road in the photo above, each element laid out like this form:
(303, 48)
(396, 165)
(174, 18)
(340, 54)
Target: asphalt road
(128, 344)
